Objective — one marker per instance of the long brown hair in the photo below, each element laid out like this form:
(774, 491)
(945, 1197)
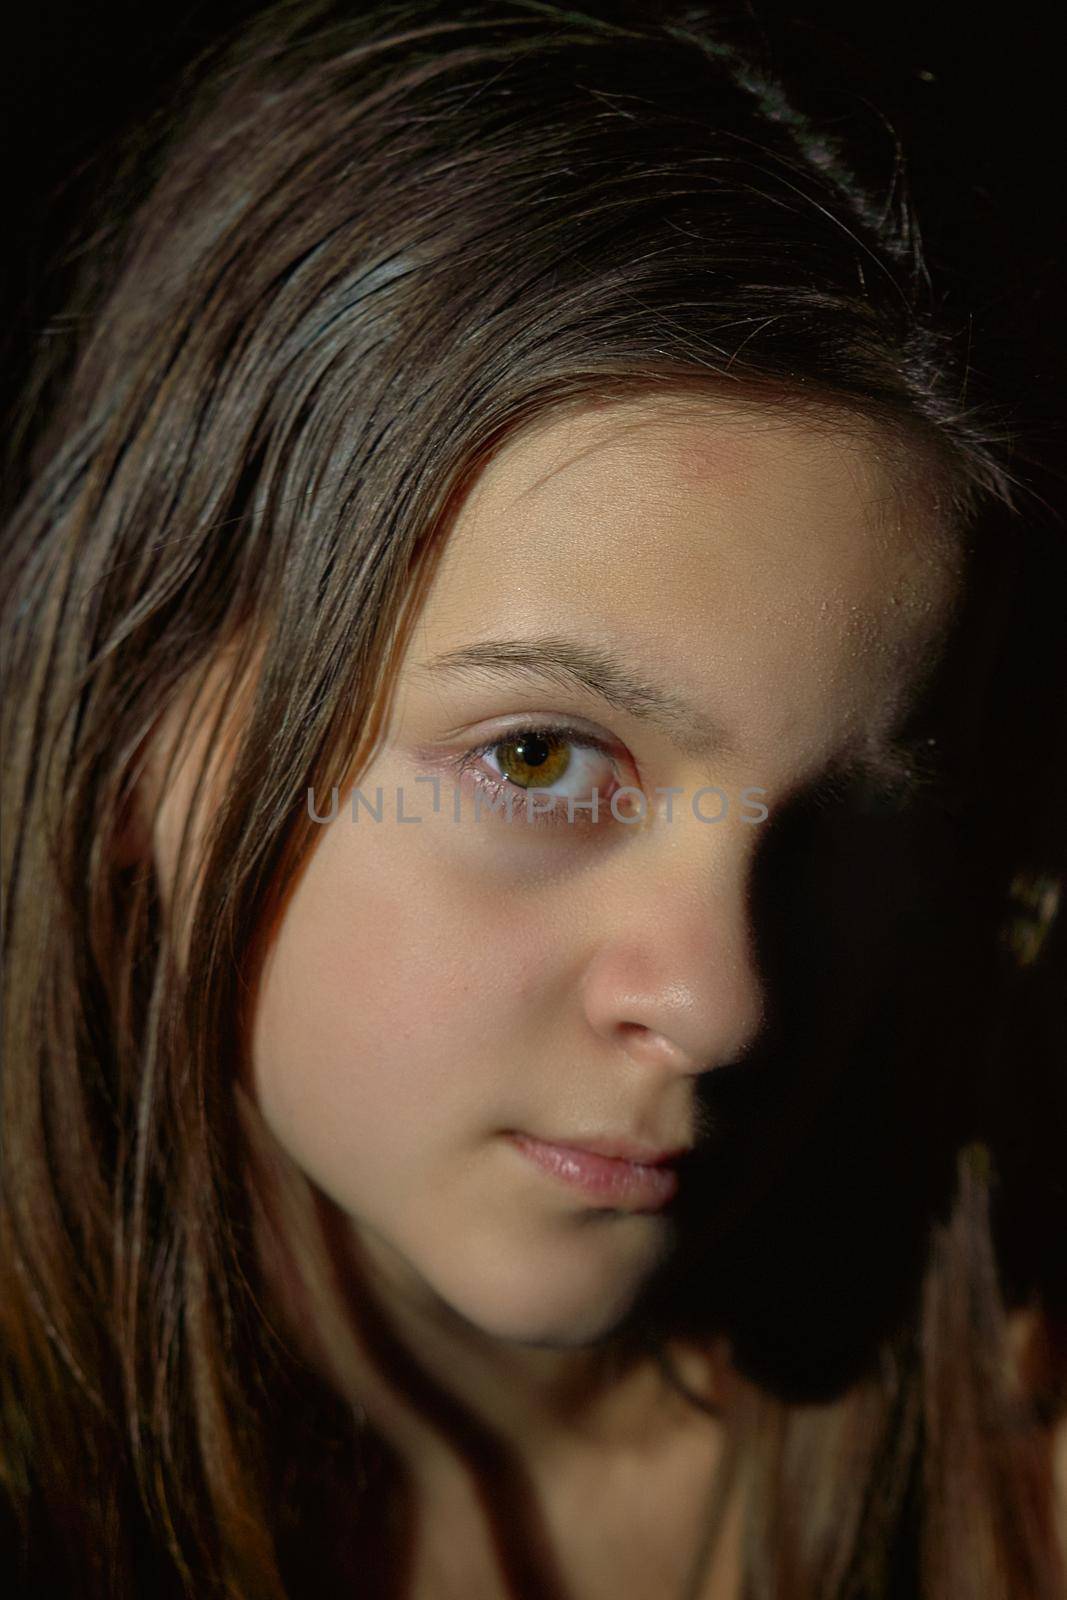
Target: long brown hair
(361, 249)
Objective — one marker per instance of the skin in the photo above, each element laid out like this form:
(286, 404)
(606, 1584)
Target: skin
(432, 985)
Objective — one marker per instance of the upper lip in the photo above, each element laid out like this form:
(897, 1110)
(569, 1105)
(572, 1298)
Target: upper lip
(624, 1149)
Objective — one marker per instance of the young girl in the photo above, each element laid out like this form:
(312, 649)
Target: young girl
(411, 1192)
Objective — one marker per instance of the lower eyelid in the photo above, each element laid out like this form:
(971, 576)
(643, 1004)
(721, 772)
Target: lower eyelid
(557, 814)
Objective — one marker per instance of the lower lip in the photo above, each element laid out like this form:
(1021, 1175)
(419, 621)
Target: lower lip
(614, 1182)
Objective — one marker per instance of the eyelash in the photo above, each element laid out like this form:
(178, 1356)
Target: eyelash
(556, 732)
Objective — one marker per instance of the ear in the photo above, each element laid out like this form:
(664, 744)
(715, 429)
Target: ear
(132, 842)
(162, 775)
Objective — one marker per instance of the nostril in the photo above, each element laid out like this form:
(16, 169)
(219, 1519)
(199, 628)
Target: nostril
(640, 1031)
(647, 1042)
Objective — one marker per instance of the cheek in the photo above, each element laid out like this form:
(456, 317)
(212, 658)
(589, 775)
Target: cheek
(388, 1020)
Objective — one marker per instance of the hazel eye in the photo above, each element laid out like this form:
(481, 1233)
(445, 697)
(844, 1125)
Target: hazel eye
(537, 759)
(534, 760)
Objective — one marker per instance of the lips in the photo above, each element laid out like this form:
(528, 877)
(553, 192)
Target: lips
(625, 1150)
(606, 1178)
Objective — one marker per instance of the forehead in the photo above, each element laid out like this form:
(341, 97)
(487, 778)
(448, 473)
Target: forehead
(692, 481)
(707, 537)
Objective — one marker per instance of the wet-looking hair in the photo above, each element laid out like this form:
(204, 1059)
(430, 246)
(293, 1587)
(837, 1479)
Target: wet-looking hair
(362, 248)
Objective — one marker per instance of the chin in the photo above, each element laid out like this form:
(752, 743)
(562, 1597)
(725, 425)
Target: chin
(541, 1313)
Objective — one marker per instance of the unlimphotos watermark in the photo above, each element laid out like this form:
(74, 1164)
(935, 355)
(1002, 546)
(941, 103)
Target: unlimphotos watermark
(709, 804)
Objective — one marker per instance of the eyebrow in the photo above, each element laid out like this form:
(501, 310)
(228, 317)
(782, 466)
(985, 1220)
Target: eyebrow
(573, 663)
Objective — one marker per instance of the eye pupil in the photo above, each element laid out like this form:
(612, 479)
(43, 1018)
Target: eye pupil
(538, 760)
(534, 750)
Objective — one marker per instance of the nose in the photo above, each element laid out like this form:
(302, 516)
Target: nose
(674, 983)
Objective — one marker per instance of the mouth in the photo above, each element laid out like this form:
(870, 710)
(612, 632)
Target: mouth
(610, 1180)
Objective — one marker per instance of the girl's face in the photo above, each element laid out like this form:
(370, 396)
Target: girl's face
(755, 604)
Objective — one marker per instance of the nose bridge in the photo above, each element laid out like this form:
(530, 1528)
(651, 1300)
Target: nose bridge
(674, 978)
